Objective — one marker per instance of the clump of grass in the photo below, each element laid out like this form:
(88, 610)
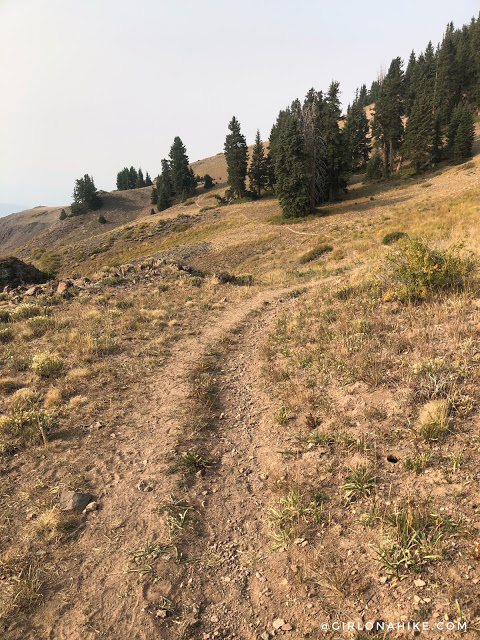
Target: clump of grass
(24, 427)
(433, 420)
(52, 523)
(5, 315)
(414, 271)
(46, 364)
(293, 512)
(432, 379)
(419, 462)
(393, 236)
(413, 541)
(360, 482)
(315, 253)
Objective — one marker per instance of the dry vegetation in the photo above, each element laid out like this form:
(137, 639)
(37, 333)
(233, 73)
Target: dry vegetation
(288, 430)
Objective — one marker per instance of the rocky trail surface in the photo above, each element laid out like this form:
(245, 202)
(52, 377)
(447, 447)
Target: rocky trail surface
(137, 569)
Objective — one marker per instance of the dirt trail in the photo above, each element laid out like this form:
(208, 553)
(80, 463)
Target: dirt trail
(96, 596)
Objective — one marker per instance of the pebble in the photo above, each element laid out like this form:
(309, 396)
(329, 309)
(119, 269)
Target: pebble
(278, 623)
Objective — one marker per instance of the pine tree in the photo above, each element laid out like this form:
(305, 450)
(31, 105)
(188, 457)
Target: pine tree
(357, 135)
(257, 172)
(410, 83)
(182, 178)
(148, 180)
(164, 200)
(292, 181)
(464, 136)
(132, 177)
(154, 195)
(207, 181)
(374, 168)
(236, 155)
(419, 132)
(336, 159)
(140, 180)
(447, 83)
(387, 122)
(85, 197)
(63, 214)
(122, 179)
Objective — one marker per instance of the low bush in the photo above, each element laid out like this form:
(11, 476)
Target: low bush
(315, 253)
(393, 236)
(414, 271)
(46, 364)
(23, 427)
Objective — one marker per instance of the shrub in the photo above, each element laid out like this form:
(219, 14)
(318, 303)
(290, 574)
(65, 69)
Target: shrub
(39, 325)
(27, 310)
(63, 214)
(315, 253)
(6, 333)
(393, 236)
(102, 219)
(46, 364)
(5, 315)
(25, 427)
(414, 271)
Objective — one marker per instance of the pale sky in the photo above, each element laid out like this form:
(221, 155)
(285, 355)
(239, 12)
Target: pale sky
(91, 86)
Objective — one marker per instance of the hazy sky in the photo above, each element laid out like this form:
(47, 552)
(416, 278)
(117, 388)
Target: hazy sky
(91, 86)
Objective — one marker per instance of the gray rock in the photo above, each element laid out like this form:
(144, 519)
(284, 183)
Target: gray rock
(74, 501)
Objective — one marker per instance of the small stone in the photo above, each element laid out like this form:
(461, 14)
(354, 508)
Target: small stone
(214, 619)
(265, 636)
(31, 516)
(74, 501)
(286, 627)
(278, 623)
(161, 613)
(416, 599)
(419, 583)
(91, 506)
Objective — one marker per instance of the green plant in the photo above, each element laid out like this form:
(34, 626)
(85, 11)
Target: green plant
(360, 482)
(315, 253)
(25, 426)
(419, 462)
(456, 461)
(393, 236)
(46, 364)
(27, 310)
(415, 539)
(195, 460)
(294, 509)
(6, 333)
(39, 325)
(414, 271)
(5, 315)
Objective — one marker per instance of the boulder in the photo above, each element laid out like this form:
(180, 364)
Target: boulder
(15, 272)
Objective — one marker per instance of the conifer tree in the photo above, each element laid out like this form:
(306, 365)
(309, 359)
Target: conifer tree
(85, 197)
(132, 177)
(387, 122)
(154, 195)
(292, 181)
(257, 172)
(123, 179)
(236, 156)
(148, 180)
(207, 181)
(63, 214)
(165, 192)
(419, 132)
(336, 159)
(464, 135)
(182, 178)
(447, 83)
(140, 180)
(357, 135)
(410, 83)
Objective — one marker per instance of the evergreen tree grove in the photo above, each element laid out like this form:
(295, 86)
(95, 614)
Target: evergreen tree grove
(236, 156)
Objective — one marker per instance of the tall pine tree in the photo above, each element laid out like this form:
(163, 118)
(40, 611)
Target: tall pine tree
(419, 132)
(236, 156)
(182, 179)
(257, 172)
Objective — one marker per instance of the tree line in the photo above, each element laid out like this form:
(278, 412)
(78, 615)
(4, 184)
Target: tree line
(422, 114)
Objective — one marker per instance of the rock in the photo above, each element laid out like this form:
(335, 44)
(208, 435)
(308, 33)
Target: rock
(32, 291)
(278, 623)
(265, 636)
(74, 501)
(419, 583)
(286, 627)
(15, 272)
(161, 613)
(214, 619)
(91, 506)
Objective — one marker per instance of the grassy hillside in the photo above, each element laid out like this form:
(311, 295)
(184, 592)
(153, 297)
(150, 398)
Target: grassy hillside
(273, 435)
